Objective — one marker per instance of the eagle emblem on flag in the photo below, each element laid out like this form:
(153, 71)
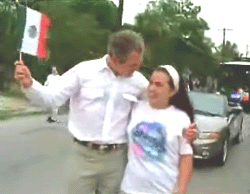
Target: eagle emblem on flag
(32, 31)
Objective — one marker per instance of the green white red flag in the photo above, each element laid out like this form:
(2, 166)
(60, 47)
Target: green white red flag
(32, 31)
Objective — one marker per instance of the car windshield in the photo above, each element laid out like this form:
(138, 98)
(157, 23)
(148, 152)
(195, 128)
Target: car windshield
(208, 104)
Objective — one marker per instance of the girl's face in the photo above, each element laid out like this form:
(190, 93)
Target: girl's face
(159, 90)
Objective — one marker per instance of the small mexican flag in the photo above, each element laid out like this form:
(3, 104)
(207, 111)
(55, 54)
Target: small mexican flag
(32, 31)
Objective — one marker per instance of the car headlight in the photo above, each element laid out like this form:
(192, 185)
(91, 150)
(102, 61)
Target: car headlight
(213, 135)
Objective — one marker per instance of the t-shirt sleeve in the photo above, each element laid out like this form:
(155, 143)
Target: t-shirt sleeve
(185, 147)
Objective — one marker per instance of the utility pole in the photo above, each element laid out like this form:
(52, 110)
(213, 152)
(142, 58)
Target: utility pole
(224, 42)
(120, 11)
(246, 51)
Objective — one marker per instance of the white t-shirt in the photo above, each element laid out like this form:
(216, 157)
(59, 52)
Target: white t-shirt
(155, 145)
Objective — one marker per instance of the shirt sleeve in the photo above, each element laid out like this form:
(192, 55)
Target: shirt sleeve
(54, 96)
(185, 147)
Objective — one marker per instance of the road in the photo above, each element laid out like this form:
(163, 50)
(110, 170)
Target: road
(34, 154)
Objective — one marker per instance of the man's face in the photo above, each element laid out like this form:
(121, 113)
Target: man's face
(126, 69)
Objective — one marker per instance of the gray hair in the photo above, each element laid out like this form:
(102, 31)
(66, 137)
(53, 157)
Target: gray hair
(124, 42)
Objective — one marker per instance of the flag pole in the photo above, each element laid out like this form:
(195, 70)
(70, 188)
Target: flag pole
(20, 53)
(20, 56)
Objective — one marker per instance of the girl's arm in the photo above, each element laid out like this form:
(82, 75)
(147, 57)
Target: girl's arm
(185, 172)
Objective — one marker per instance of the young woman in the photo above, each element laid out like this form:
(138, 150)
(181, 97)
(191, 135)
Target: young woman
(159, 158)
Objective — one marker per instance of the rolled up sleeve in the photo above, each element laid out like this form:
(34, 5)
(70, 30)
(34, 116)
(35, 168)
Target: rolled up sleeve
(46, 96)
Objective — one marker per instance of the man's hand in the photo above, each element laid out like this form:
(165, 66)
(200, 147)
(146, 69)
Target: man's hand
(22, 73)
(190, 133)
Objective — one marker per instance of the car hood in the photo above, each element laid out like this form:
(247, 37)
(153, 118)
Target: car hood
(210, 124)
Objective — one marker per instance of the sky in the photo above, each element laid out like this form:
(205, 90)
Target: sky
(230, 14)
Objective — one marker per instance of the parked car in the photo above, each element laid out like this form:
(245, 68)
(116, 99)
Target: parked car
(219, 123)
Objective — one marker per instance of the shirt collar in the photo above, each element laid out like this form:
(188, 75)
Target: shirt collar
(105, 66)
(104, 62)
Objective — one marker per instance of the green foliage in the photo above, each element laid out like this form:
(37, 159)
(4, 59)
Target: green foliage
(14, 92)
(230, 52)
(175, 35)
(7, 32)
(5, 114)
(105, 11)
(74, 36)
(8, 42)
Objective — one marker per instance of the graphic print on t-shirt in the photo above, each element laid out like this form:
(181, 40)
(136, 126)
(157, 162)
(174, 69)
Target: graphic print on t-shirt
(149, 141)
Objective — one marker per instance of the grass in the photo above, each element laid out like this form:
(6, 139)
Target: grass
(7, 114)
(13, 93)
(13, 90)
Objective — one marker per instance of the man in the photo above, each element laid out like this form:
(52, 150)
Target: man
(102, 93)
(51, 81)
(52, 78)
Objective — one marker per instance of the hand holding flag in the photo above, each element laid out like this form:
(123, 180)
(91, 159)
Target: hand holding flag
(22, 73)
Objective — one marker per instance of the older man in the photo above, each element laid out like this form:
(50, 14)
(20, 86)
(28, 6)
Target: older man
(102, 93)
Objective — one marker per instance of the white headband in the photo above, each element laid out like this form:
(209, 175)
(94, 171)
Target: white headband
(174, 75)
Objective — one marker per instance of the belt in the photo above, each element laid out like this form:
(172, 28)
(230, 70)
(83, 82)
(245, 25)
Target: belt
(101, 147)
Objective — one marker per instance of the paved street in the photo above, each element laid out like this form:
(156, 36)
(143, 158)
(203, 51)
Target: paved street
(34, 153)
(32, 156)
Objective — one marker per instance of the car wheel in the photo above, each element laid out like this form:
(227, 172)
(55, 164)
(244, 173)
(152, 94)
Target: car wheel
(221, 159)
(239, 138)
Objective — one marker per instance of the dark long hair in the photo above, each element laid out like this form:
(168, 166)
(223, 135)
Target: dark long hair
(180, 99)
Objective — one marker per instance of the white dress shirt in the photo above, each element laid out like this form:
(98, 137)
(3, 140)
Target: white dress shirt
(100, 102)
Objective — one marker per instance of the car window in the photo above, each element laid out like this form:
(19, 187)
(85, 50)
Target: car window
(208, 103)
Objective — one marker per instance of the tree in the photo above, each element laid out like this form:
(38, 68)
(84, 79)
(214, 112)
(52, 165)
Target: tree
(175, 35)
(74, 36)
(8, 41)
(230, 51)
(79, 32)
(105, 12)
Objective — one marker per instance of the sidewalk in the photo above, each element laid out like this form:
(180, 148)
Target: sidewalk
(11, 106)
